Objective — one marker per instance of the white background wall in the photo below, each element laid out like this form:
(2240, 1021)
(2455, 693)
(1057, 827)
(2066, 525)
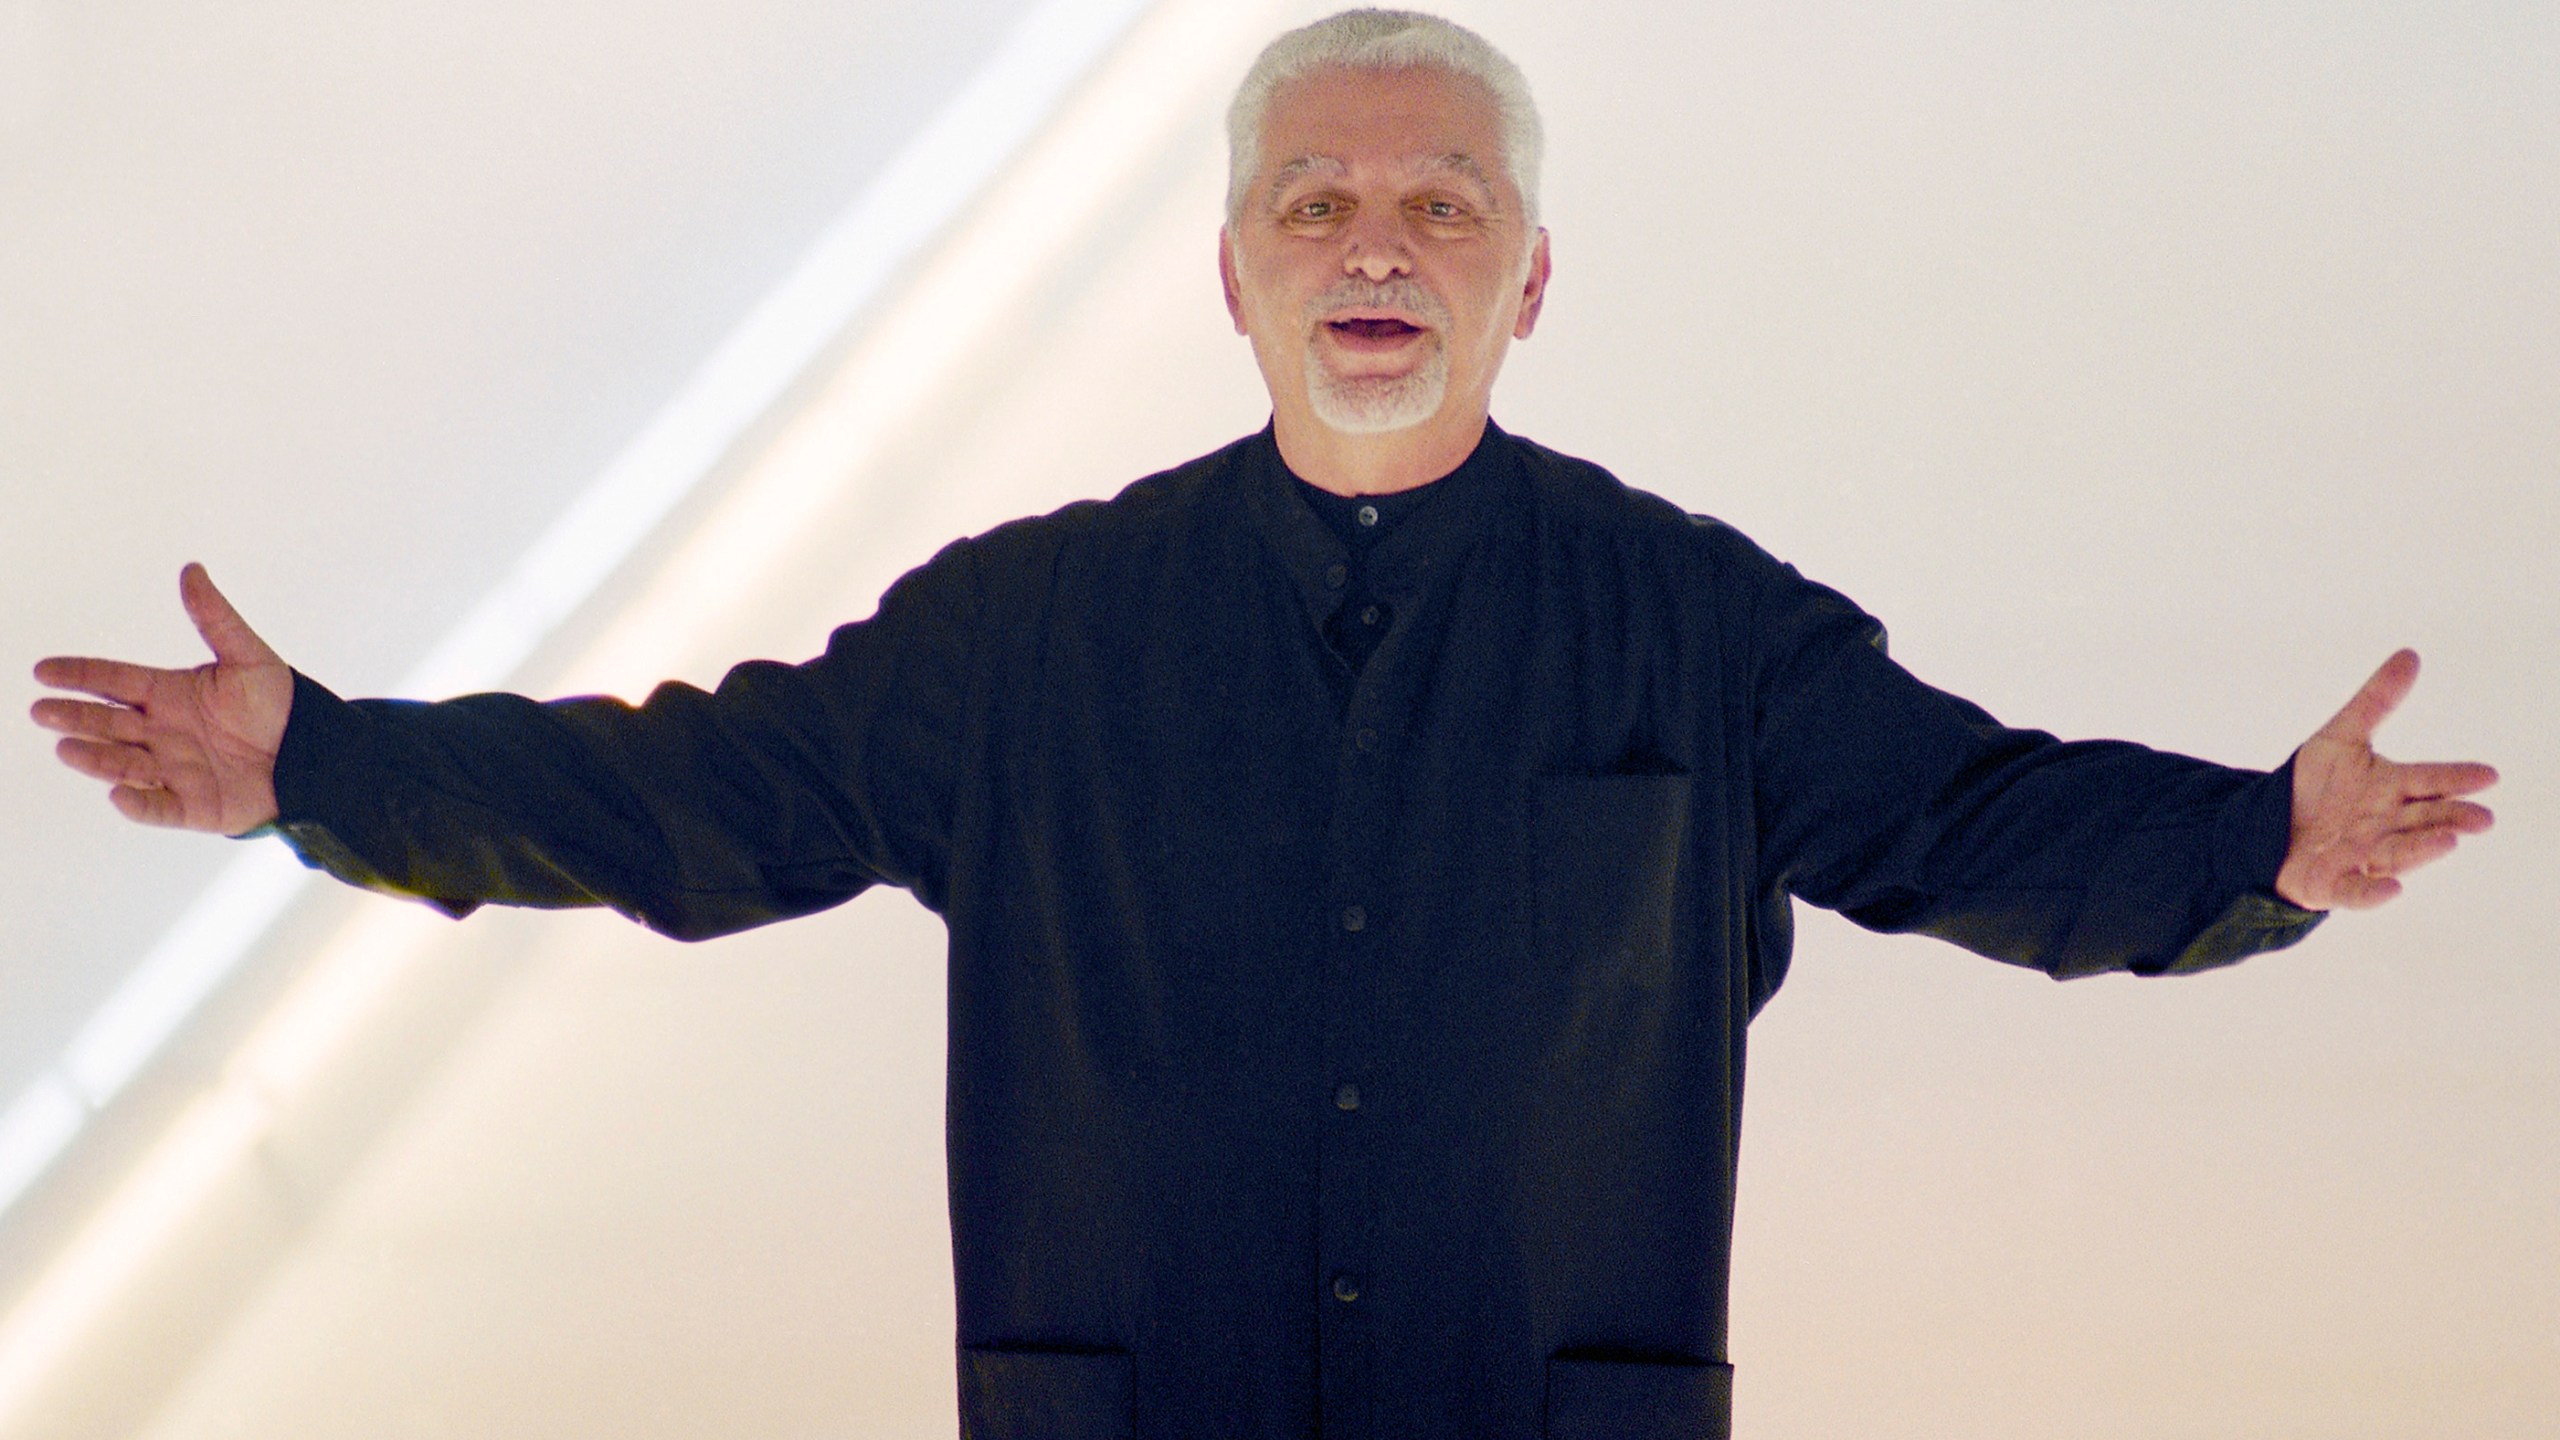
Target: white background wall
(2153, 370)
(347, 301)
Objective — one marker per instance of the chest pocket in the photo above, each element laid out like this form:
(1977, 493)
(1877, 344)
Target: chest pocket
(1606, 852)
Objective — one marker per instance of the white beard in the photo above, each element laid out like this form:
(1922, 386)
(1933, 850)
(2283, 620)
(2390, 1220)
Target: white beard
(1376, 404)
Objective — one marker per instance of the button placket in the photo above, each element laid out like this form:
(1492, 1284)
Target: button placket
(1362, 929)
(1347, 1202)
(1359, 949)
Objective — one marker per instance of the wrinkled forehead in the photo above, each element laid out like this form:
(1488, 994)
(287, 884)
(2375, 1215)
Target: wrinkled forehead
(1415, 118)
(1420, 165)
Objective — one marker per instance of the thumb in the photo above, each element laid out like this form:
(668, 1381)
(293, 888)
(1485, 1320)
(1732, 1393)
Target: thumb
(2380, 696)
(224, 632)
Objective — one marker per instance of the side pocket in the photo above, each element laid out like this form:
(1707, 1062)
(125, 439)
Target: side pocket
(1638, 1400)
(1008, 1394)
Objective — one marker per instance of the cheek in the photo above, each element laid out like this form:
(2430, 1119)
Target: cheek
(1266, 319)
(1266, 298)
(1485, 324)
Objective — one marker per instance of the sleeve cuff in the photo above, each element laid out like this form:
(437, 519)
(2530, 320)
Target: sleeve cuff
(325, 789)
(2257, 829)
(319, 726)
(2256, 833)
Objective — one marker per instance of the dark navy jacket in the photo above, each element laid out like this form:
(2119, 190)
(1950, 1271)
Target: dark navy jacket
(1364, 1064)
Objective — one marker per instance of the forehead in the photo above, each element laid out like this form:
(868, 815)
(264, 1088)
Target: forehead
(1417, 115)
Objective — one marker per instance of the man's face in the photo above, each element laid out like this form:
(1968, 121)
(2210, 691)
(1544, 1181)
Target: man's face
(1382, 263)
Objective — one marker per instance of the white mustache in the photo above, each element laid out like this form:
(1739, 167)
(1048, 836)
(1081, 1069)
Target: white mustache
(1355, 292)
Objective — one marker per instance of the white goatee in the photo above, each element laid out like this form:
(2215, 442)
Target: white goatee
(1375, 404)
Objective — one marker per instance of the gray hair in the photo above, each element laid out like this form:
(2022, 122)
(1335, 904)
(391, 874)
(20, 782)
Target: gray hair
(1384, 40)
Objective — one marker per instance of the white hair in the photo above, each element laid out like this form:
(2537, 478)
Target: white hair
(1384, 40)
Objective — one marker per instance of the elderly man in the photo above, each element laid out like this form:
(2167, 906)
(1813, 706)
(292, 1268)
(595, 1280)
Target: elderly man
(1363, 848)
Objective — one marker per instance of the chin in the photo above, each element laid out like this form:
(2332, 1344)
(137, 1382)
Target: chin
(1377, 404)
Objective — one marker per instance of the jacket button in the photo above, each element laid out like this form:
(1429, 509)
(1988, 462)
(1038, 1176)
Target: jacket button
(1346, 1288)
(1367, 739)
(1346, 1097)
(1354, 919)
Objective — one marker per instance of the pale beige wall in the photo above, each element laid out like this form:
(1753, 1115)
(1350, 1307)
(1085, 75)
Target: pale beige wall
(2152, 372)
(346, 301)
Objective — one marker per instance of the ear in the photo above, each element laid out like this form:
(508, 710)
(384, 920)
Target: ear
(1533, 292)
(1227, 278)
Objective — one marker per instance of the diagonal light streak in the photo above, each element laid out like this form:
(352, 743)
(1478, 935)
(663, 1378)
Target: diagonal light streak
(914, 199)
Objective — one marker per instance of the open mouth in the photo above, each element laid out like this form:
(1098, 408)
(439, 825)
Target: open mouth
(1383, 328)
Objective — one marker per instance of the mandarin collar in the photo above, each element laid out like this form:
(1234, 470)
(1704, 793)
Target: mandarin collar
(1422, 546)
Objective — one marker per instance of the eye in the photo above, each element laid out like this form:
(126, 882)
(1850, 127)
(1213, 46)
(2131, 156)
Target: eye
(1442, 209)
(1319, 208)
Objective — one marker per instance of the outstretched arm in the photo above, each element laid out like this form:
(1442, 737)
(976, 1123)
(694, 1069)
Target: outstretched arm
(1908, 809)
(789, 788)
(2360, 821)
(194, 749)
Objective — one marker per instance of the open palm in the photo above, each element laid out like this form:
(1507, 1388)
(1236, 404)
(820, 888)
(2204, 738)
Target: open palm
(194, 749)
(2359, 820)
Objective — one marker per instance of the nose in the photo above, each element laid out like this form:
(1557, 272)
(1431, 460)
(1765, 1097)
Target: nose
(1375, 249)
(1376, 262)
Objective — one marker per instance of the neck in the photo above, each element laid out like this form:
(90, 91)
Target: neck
(1380, 464)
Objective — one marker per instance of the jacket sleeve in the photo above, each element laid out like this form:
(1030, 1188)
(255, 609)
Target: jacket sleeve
(787, 789)
(1908, 809)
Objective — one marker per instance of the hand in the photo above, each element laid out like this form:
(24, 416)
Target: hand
(2359, 820)
(195, 749)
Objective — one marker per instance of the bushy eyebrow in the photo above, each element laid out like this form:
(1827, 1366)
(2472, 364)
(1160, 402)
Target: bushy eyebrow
(1456, 162)
(1289, 174)
(1461, 163)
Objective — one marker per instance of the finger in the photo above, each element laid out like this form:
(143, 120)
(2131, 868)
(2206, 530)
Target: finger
(113, 679)
(2404, 851)
(2456, 777)
(148, 806)
(229, 636)
(104, 760)
(2380, 696)
(2363, 892)
(2460, 816)
(99, 722)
